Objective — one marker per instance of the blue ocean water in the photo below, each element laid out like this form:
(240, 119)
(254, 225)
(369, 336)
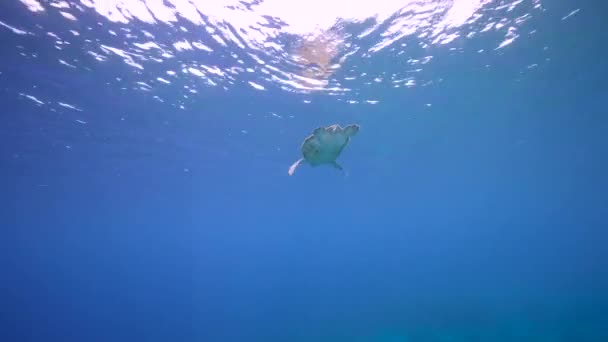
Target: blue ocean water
(146, 195)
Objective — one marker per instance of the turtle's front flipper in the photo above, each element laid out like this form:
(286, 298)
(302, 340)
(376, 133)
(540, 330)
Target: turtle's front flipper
(337, 166)
(294, 166)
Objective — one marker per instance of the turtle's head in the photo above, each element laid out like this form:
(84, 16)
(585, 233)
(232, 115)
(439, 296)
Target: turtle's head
(351, 130)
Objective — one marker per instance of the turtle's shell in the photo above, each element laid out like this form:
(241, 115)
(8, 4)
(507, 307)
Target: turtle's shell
(326, 143)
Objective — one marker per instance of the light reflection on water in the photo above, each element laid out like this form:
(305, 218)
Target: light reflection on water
(298, 46)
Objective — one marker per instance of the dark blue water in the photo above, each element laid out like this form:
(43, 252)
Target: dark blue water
(479, 218)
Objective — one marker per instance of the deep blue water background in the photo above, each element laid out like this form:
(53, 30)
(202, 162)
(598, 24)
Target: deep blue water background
(480, 218)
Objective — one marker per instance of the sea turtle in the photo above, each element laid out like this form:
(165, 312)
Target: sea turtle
(324, 146)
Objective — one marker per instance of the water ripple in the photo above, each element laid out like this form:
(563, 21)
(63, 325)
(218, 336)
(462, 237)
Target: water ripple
(297, 46)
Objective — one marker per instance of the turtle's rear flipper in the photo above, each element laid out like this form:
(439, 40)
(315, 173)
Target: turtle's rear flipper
(351, 130)
(294, 166)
